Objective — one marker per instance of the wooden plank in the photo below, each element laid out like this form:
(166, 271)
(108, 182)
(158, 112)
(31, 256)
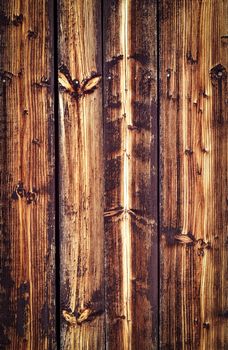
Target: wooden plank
(194, 164)
(81, 175)
(27, 272)
(130, 107)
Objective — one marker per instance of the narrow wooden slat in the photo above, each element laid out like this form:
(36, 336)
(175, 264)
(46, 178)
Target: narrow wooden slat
(27, 272)
(130, 108)
(194, 164)
(81, 175)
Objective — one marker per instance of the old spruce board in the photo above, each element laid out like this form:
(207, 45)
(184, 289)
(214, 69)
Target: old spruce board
(107, 174)
(130, 147)
(81, 175)
(194, 164)
(27, 270)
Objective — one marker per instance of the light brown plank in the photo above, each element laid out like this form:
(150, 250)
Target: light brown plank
(81, 175)
(27, 279)
(130, 109)
(194, 148)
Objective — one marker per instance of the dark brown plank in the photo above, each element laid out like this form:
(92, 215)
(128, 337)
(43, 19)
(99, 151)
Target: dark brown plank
(27, 271)
(81, 175)
(130, 111)
(194, 145)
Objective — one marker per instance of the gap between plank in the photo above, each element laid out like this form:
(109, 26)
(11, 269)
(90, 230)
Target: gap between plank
(56, 118)
(103, 117)
(158, 169)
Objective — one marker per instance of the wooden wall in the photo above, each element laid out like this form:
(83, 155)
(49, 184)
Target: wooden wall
(113, 174)
(27, 163)
(193, 173)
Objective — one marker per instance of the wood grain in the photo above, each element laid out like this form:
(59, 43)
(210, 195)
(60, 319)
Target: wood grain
(130, 113)
(81, 175)
(108, 178)
(27, 230)
(194, 148)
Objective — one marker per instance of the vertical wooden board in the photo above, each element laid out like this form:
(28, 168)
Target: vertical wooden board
(81, 175)
(194, 145)
(27, 252)
(130, 111)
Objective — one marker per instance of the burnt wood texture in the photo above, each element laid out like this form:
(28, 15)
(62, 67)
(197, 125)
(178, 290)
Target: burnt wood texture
(194, 149)
(27, 232)
(81, 175)
(120, 106)
(130, 129)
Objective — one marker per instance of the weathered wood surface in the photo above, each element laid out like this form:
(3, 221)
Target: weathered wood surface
(27, 271)
(194, 164)
(130, 117)
(108, 136)
(81, 175)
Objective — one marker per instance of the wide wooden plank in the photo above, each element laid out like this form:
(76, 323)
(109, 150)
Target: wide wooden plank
(194, 164)
(130, 112)
(81, 175)
(27, 272)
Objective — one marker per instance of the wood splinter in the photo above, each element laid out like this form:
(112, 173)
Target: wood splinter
(70, 318)
(91, 83)
(84, 316)
(184, 239)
